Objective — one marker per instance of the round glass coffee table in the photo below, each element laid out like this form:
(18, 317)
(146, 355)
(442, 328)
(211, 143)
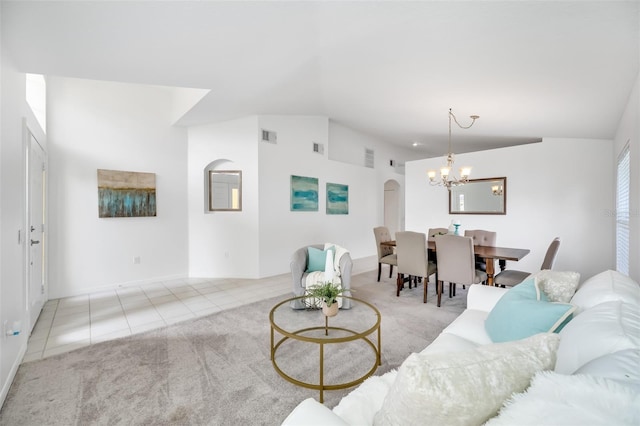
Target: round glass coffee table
(342, 342)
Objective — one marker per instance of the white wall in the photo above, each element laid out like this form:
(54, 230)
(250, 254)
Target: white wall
(283, 231)
(348, 146)
(223, 244)
(12, 290)
(559, 187)
(14, 116)
(629, 131)
(258, 242)
(103, 125)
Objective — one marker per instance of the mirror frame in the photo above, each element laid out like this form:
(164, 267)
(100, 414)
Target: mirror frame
(504, 196)
(212, 173)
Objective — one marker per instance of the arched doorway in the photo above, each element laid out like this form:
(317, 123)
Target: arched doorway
(392, 203)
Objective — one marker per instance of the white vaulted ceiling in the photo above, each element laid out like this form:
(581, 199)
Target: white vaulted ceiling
(391, 69)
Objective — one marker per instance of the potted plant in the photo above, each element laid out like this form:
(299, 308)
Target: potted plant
(328, 292)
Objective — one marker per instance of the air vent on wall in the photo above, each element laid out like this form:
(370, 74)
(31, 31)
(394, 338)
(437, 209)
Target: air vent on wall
(269, 136)
(318, 148)
(368, 158)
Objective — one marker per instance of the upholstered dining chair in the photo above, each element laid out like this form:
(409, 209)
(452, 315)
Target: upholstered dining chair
(413, 261)
(431, 235)
(385, 253)
(511, 277)
(300, 270)
(456, 263)
(482, 238)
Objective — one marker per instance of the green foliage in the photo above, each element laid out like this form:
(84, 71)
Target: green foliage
(327, 291)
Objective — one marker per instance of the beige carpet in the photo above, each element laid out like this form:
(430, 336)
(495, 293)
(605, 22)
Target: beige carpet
(213, 370)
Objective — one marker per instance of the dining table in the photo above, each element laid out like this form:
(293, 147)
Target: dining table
(488, 253)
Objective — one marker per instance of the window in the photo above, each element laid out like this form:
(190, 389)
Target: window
(622, 212)
(36, 95)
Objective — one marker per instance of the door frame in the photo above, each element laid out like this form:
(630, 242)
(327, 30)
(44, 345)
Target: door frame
(392, 212)
(40, 138)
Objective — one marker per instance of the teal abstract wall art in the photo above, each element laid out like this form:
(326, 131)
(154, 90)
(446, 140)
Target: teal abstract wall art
(304, 194)
(337, 198)
(126, 194)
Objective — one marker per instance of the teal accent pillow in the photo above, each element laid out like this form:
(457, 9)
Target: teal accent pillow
(524, 311)
(317, 259)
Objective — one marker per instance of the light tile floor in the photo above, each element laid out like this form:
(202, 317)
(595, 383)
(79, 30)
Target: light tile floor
(73, 322)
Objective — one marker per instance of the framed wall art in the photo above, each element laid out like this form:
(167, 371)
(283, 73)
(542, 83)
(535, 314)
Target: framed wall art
(337, 198)
(304, 194)
(126, 194)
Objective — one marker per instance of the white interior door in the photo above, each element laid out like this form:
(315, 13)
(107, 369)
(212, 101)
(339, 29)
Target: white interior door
(35, 240)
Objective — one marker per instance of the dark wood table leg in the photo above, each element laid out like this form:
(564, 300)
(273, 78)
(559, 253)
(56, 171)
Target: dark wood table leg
(490, 270)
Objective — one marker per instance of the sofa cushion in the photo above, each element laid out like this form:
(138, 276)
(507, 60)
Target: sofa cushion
(484, 297)
(312, 413)
(622, 366)
(469, 325)
(448, 342)
(558, 286)
(603, 329)
(524, 311)
(558, 399)
(362, 403)
(606, 286)
(465, 388)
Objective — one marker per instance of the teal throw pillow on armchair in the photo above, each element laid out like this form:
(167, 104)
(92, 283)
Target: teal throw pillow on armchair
(524, 311)
(318, 258)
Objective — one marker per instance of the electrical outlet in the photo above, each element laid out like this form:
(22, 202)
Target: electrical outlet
(136, 260)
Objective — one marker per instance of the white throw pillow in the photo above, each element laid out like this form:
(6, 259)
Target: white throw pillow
(603, 329)
(606, 286)
(464, 388)
(559, 286)
(558, 399)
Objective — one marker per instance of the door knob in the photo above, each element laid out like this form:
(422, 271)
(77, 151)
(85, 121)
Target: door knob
(35, 242)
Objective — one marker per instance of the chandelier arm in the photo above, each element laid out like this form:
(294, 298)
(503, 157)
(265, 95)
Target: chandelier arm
(448, 179)
(473, 120)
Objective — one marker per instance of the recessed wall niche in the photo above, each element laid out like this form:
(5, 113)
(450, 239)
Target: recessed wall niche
(223, 187)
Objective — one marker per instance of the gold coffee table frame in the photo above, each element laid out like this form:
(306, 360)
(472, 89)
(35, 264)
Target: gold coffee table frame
(298, 335)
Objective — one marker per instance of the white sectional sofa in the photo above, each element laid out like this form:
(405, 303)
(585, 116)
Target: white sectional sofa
(587, 373)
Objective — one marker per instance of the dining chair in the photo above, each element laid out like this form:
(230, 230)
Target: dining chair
(413, 261)
(385, 253)
(431, 235)
(511, 277)
(482, 238)
(456, 263)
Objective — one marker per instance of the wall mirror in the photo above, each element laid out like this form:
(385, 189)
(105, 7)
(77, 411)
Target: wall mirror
(225, 190)
(479, 196)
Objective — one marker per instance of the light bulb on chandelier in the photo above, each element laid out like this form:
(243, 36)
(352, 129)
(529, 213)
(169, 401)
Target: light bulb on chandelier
(447, 178)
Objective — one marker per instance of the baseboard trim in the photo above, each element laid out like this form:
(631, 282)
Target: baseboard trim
(364, 264)
(12, 372)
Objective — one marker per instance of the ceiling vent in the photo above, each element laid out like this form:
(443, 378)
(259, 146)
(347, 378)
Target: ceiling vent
(368, 158)
(269, 136)
(318, 148)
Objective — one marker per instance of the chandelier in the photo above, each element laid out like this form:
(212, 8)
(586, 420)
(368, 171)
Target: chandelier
(447, 178)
